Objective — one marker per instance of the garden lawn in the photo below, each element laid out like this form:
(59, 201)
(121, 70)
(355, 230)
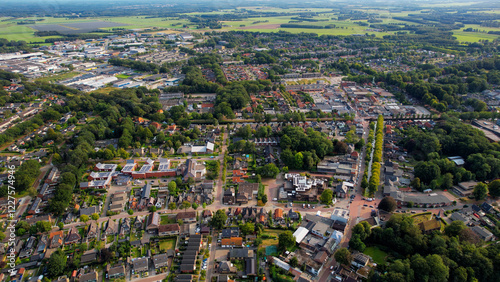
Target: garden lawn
(418, 218)
(269, 242)
(167, 244)
(165, 219)
(377, 254)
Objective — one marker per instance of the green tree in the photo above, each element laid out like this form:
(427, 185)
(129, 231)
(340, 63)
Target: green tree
(94, 216)
(388, 204)
(172, 206)
(172, 188)
(356, 243)
(494, 188)
(454, 228)
(286, 240)
(219, 219)
(447, 181)
(43, 226)
(247, 228)
(84, 218)
(185, 205)
(269, 170)
(108, 154)
(298, 160)
(343, 256)
(326, 196)
(26, 175)
(56, 264)
(480, 191)
(415, 183)
(294, 262)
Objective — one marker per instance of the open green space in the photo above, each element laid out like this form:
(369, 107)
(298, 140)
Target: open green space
(10, 30)
(418, 218)
(167, 244)
(165, 219)
(122, 76)
(58, 77)
(376, 254)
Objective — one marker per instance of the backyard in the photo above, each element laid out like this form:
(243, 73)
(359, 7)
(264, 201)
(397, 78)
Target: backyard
(165, 219)
(376, 254)
(168, 244)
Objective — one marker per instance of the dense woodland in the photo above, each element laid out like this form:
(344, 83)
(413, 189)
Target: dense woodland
(457, 254)
(451, 137)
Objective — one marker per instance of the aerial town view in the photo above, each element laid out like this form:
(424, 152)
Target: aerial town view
(196, 140)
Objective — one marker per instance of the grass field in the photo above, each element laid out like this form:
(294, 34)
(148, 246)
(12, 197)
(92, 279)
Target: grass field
(58, 77)
(167, 244)
(122, 76)
(165, 219)
(418, 218)
(12, 31)
(105, 90)
(377, 254)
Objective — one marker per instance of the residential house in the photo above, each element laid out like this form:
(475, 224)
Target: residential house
(240, 254)
(111, 228)
(228, 198)
(168, 229)
(232, 242)
(160, 260)
(246, 192)
(360, 260)
(226, 267)
(139, 222)
(342, 189)
(89, 277)
(56, 239)
(116, 271)
(187, 217)
(88, 257)
(194, 170)
(430, 225)
(89, 211)
(92, 230)
(73, 236)
(483, 233)
(207, 214)
(292, 215)
(153, 222)
(125, 227)
(140, 265)
(278, 214)
(230, 232)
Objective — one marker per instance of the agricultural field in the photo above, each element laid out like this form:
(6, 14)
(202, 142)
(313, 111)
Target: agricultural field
(10, 30)
(74, 28)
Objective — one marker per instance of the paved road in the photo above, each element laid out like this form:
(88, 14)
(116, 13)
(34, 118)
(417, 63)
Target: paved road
(211, 258)
(152, 278)
(356, 209)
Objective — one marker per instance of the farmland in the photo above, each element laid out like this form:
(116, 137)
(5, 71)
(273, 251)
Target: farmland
(79, 27)
(327, 21)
